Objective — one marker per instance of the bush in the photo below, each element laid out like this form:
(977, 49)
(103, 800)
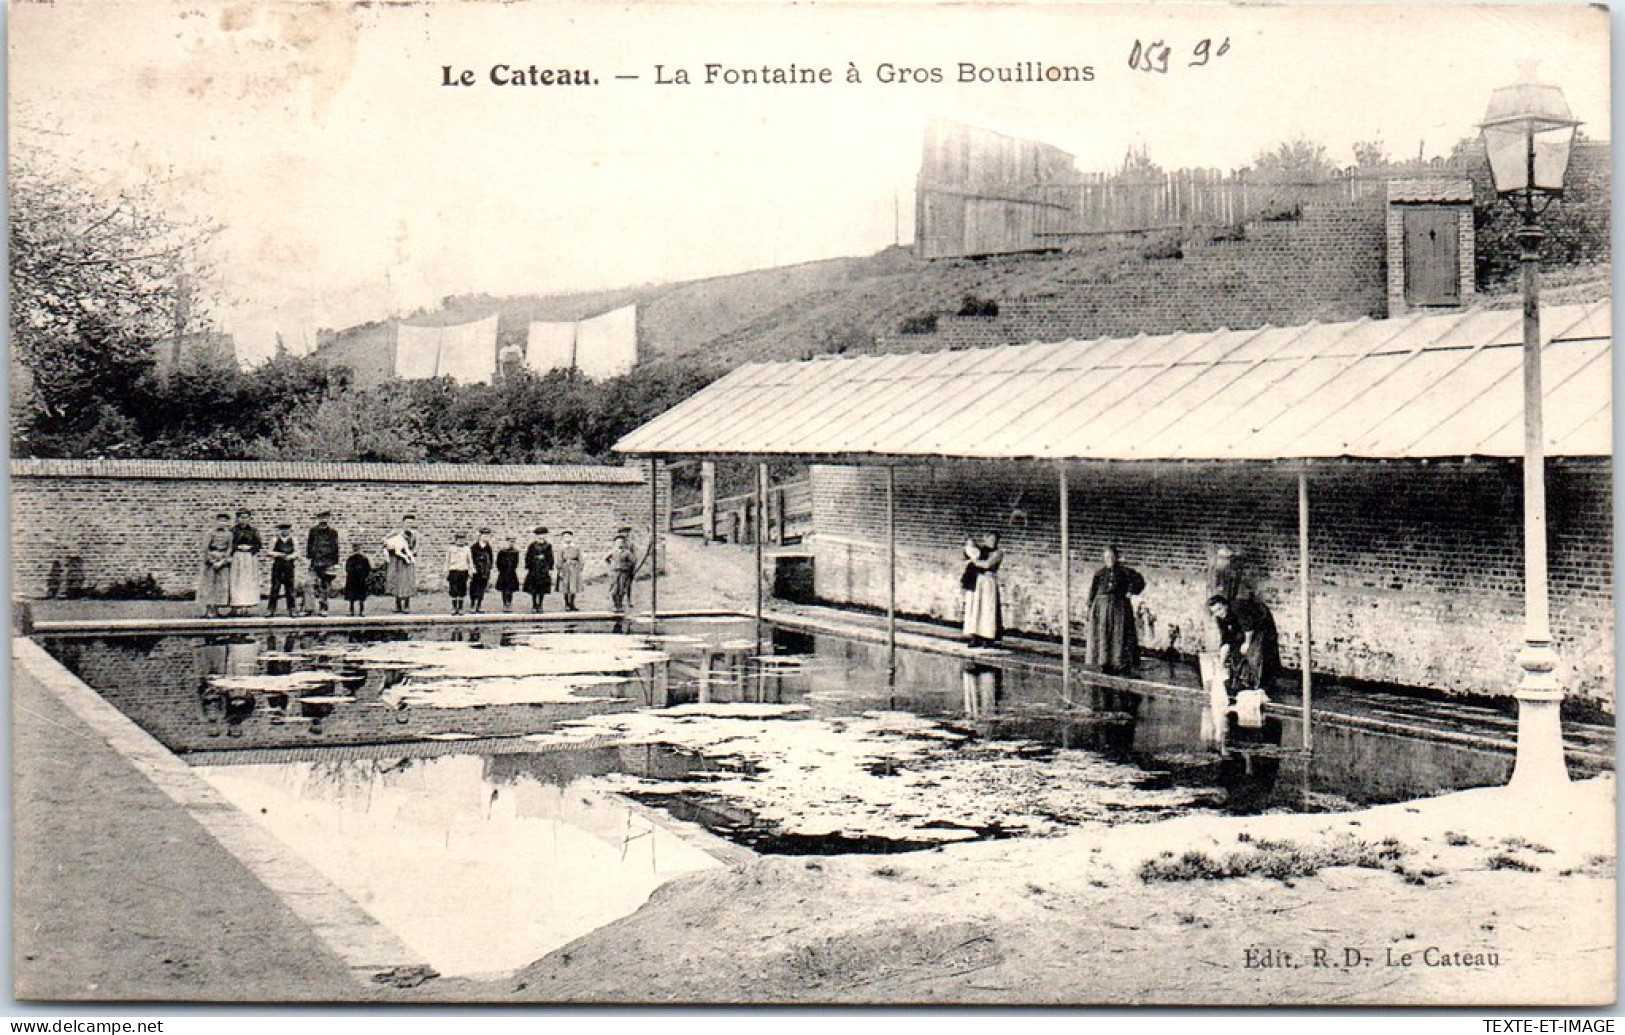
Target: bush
(144, 588)
(925, 323)
(973, 306)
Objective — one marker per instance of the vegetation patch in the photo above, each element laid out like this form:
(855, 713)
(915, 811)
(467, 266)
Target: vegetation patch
(1510, 862)
(1275, 860)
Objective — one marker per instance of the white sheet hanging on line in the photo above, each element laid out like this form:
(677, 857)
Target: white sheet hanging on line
(465, 352)
(417, 352)
(468, 351)
(552, 346)
(607, 345)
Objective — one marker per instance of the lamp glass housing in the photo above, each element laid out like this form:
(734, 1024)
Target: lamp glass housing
(1529, 134)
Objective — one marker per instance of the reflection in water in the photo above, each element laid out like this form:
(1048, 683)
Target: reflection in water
(181, 690)
(982, 685)
(480, 866)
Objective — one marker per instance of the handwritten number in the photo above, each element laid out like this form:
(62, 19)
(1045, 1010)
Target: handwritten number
(1204, 50)
(1149, 57)
(1154, 56)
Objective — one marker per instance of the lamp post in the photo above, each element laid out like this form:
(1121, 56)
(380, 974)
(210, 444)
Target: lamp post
(1528, 133)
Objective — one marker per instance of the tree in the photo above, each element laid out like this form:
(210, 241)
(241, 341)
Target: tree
(1139, 168)
(96, 281)
(1370, 156)
(1293, 161)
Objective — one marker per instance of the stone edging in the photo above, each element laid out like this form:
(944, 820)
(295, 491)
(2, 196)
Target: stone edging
(365, 945)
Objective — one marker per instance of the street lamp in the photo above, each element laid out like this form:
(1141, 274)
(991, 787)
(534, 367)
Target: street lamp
(1528, 132)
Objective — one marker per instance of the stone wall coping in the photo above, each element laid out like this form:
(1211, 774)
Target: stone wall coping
(322, 471)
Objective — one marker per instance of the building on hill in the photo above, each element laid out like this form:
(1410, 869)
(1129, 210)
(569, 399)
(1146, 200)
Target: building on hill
(984, 193)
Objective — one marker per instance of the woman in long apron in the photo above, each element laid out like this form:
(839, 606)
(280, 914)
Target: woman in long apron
(402, 577)
(214, 580)
(983, 624)
(1114, 644)
(243, 592)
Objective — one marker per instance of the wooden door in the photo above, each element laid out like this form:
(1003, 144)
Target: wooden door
(1432, 257)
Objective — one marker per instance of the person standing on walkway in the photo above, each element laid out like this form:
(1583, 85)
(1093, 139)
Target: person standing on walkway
(1114, 643)
(570, 565)
(539, 569)
(283, 557)
(984, 626)
(480, 557)
(243, 593)
(402, 577)
(967, 578)
(459, 561)
(357, 570)
(214, 581)
(622, 564)
(508, 573)
(322, 554)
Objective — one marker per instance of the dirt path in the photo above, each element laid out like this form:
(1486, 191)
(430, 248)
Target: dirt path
(1070, 920)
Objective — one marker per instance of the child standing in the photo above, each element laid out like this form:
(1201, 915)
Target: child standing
(621, 566)
(508, 573)
(569, 579)
(458, 563)
(283, 553)
(356, 572)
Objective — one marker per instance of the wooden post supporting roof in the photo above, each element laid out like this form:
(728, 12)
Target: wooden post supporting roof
(1066, 586)
(654, 538)
(1304, 610)
(891, 574)
(760, 537)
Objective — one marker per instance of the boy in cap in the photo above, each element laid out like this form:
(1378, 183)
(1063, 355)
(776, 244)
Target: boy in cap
(322, 553)
(480, 558)
(622, 564)
(458, 563)
(283, 553)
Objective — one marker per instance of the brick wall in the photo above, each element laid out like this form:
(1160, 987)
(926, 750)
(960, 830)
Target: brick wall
(1416, 568)
(123, 519)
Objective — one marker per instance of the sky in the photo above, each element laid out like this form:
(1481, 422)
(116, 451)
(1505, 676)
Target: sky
(352, 185)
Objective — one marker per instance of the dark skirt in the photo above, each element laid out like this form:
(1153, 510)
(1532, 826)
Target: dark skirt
(457, 583)
(507, 582)
(538, 580)
(1114, 643)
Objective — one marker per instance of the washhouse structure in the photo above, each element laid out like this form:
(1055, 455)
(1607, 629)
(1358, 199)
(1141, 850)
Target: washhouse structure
(1369, 472)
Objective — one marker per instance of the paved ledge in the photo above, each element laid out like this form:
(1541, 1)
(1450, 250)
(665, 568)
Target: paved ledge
(1493, 732)
(365, 946)
(388, 620)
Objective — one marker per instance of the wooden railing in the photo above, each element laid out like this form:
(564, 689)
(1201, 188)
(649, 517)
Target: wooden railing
(789, 516)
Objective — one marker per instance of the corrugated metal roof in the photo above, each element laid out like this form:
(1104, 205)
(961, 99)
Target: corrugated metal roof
(1420, 386)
